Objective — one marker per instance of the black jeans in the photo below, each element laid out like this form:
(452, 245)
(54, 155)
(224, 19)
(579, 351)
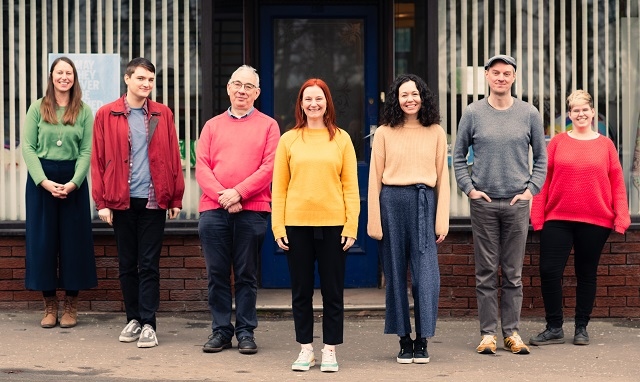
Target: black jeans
(139, 232)
(306, 246)
(556, 240)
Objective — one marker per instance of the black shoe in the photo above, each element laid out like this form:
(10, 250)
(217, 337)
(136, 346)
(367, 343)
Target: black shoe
(216, 343)
(581, 337)
(406, 350)
(247, 345)
(420, 353)
(548, 337)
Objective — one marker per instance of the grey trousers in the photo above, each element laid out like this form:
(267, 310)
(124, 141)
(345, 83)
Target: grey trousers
(499, 239)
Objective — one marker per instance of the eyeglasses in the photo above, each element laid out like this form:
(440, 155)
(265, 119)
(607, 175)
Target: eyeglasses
(237, 85)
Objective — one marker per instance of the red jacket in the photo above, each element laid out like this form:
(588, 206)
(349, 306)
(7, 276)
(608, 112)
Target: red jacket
(110, 157)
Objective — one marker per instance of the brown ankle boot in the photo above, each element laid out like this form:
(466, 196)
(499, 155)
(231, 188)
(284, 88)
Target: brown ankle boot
(70, 317)
(50, 318)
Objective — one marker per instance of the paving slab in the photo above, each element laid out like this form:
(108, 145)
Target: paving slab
(91, 352)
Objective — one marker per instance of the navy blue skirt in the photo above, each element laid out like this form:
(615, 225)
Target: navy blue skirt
(59, 238)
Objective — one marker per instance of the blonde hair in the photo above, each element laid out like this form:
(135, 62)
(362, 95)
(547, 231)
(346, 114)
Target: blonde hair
(579, 96)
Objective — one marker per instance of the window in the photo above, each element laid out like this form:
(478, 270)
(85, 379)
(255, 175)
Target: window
(166, 32)
(560, 46)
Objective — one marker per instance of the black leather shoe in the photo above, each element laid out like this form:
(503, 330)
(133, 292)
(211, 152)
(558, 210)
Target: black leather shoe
(581, 337)
(247, 345)
(548, 336)
(216, 343)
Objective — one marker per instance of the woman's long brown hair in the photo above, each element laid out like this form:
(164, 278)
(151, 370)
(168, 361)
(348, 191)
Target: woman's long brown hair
(49, 105)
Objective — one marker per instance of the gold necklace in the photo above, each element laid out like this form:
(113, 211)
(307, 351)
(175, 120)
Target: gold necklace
(59, 141)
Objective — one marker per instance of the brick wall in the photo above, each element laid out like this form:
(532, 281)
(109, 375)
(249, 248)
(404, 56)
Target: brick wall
(184, 282)
(618, 292)
(183, 279)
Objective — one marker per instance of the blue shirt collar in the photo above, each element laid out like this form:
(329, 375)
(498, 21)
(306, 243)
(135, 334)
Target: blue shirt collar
(243, 116)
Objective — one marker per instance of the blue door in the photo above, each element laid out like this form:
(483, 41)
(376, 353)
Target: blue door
(338, 44)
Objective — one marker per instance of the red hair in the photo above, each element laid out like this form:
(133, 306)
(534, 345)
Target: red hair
(329, 118)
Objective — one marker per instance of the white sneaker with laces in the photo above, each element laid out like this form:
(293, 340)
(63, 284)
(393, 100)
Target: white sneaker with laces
(306, 359)
(131, 332)
(148, 337)
(329, 361)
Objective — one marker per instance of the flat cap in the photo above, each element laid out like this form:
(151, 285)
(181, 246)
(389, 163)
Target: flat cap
(501, 57)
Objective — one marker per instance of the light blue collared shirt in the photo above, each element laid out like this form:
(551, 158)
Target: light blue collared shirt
(243, 116)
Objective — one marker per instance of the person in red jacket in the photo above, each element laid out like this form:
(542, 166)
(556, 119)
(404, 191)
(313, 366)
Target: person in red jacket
(137, 178)
(585, 163)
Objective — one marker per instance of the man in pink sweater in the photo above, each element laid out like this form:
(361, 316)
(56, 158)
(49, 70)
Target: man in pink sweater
(234, 168)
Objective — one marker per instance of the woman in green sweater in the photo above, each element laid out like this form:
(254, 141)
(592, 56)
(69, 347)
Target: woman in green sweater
(56, 146)
(315, 216)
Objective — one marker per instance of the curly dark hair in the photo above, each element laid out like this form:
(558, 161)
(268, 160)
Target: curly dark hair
(393, 115)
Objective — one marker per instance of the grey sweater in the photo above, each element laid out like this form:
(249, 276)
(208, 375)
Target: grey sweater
(501, 140)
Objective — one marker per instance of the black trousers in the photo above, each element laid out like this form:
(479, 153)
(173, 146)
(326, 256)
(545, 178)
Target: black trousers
(556, 240)
(306, 246)
(139, 232)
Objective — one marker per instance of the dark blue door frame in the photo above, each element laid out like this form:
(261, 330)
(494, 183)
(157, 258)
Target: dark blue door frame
(362, 261)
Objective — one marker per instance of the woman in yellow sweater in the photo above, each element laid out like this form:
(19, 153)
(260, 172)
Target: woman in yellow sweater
(315, 216)
(409, 209)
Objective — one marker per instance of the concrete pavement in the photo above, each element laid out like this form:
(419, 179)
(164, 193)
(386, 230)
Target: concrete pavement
(91, 351)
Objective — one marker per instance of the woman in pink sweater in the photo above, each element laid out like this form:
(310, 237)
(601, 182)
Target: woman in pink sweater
(582, 200)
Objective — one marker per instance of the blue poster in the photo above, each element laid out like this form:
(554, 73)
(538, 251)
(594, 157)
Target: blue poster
(98, 75)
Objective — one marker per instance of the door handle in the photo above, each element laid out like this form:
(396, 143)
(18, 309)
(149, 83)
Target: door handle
(372, 131)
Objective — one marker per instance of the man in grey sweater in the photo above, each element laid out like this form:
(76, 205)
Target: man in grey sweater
(500, 128)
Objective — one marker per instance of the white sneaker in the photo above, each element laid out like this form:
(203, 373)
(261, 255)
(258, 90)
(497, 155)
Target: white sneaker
(329, 361)
(148, 337)
(131, 332)
(306, 359)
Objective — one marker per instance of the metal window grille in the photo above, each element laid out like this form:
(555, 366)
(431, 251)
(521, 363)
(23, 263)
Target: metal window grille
(164, 31)
(560, 46)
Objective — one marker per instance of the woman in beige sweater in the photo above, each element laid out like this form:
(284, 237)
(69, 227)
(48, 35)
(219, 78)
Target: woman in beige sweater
(409, 209)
